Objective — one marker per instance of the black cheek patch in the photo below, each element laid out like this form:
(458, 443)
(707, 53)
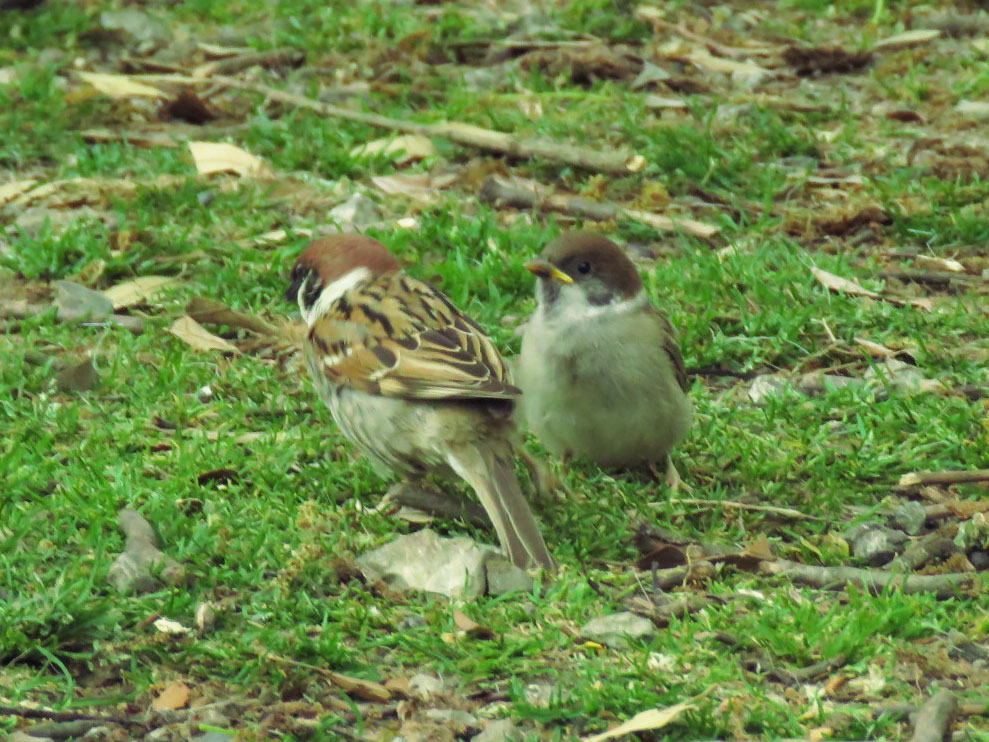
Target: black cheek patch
(296, 279)
(313, 288)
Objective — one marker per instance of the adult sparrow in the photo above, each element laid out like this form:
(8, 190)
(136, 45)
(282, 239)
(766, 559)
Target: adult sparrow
(601, 374)
(411, 380)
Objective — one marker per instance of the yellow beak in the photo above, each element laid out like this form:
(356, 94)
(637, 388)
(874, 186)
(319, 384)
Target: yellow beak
(544, 269)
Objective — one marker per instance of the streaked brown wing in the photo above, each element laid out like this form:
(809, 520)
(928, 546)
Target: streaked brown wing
(400, 337)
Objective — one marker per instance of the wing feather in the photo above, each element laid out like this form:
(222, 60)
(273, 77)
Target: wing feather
(400, 337)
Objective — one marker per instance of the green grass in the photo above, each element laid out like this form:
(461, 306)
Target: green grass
(270, 546)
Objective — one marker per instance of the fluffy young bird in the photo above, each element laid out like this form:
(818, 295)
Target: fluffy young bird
(600, 370)
(411, 380)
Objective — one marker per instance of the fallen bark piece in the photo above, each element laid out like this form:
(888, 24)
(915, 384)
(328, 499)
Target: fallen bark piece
(499, 192)
(943, 477)
(135, 568)
(934, 718)
(873, 580)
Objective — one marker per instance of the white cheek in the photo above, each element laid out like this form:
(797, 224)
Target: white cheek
(331, 293)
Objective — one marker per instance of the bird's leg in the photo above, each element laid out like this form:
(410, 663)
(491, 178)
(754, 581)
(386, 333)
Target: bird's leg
(671, 476)
(543, 477)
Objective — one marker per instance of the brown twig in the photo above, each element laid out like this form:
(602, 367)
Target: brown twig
(934, 718)
(717, 371)
(667, 579)
(873, 580)
(618, 162)
(651, 15)
(937, 512)
(501, 193)
(366, 690)
(786, 512)
(935, 277)
(63, 716)
(270, 58)
(810, 673)
(944, 477)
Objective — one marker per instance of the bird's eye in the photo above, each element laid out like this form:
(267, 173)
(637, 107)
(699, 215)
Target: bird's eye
(583, 267)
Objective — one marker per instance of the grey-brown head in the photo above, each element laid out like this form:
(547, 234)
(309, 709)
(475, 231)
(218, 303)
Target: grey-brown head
(590, 262)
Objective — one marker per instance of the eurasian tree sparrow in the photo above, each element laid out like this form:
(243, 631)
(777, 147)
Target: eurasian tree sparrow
(600, 370)
(412, 381)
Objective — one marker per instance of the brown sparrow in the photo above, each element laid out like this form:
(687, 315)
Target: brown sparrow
(601, 374)
(411, 380)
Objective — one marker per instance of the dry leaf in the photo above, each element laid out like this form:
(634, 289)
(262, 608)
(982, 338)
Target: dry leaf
(876, 349)
(139, 290)
(419, 187)
(120, 86)
(760, 548)
(198, 337)
(10, 191)
(908, 38)
(168, 626)
(220, 157)
(975, 108)
(174, 697)
(218, 313)
(366, 690)
(944, 264)
(658, 101)
(837, 283)
(704, 59)
(471, 627)
(280, 235)
(843, 285)
(400, 149)
(402, 686)
(644, 721)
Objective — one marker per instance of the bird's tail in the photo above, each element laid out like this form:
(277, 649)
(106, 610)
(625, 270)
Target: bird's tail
(488, 469)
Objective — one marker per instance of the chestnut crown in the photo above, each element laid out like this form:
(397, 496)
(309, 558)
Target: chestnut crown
(330, 259)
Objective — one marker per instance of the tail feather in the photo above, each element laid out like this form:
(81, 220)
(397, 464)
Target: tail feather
(489, 471)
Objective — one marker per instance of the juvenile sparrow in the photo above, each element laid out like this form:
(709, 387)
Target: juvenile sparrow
(411, 380)
(601, 374)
